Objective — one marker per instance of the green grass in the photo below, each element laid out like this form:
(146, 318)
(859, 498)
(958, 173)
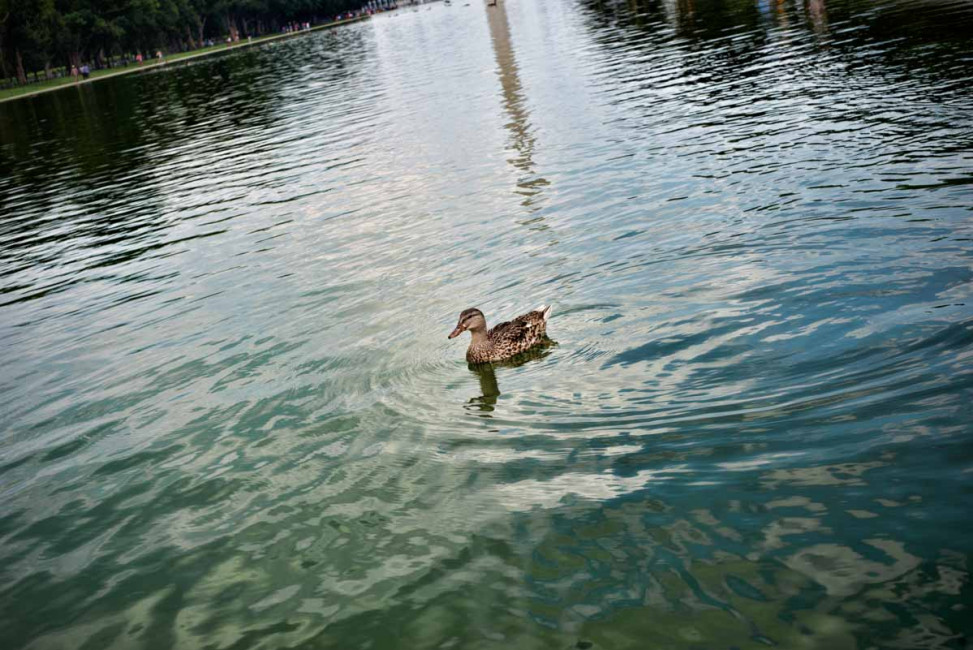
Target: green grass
(55, 84)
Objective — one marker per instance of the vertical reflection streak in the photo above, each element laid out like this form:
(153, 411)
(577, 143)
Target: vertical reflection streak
(523, 140)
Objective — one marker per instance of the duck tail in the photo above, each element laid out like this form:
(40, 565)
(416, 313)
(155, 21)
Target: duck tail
(545, 311)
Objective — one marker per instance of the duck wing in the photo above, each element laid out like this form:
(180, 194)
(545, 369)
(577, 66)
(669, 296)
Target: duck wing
(509, 330)
(535, 321)
(520, 333)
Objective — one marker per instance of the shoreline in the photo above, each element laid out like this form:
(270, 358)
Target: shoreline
(175, 59)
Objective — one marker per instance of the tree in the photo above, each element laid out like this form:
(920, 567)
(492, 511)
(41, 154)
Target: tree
(35, 33)
(25, 34)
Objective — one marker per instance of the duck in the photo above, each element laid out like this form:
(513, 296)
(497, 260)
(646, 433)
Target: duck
(505, 340)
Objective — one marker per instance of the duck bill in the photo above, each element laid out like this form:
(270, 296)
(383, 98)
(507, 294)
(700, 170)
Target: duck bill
(456, 332)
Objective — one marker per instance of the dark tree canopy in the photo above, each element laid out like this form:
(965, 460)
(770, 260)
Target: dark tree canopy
(38, 35)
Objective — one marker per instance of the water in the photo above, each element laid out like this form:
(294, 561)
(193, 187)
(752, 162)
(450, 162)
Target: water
(232, 418)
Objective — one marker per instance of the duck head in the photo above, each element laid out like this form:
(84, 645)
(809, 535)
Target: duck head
(471, 319)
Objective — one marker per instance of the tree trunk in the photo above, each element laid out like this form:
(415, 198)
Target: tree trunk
(47, 70)
(21, 75)
(189, 38)
(231, 25)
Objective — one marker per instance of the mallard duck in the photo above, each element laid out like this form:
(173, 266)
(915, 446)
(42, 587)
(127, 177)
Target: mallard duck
(504, 340)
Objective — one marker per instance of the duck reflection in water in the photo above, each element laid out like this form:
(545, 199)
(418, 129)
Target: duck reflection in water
(486, 402)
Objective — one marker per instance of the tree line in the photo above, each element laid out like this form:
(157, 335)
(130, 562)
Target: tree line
(40, 36)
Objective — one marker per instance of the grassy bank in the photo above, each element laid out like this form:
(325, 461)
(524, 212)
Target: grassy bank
(56, 84)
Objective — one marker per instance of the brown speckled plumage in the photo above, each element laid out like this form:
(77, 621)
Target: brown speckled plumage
(504, 340)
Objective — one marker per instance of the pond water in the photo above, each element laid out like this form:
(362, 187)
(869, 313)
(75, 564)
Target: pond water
(232, 419)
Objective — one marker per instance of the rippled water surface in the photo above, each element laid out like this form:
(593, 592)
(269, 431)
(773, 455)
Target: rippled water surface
(232, 419)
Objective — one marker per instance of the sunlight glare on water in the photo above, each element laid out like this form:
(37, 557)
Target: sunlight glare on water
(232, 418)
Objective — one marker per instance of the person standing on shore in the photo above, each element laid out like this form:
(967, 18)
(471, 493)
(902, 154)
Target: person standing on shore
(85, 71)
(74, 73)
(138, 58)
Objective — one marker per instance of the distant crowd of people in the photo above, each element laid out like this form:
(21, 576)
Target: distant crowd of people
(296, 27)
(83, 71)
